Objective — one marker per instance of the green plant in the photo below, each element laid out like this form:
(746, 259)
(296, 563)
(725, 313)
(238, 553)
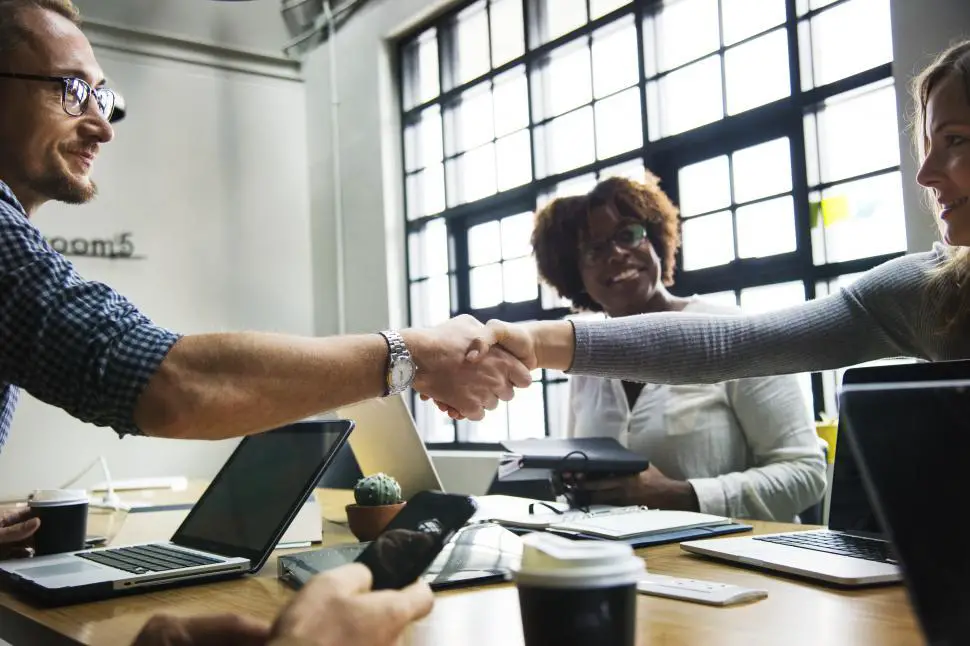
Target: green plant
(378, 489)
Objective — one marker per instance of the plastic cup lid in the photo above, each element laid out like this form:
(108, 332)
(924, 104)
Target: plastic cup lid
(553, 561)
(57, 497)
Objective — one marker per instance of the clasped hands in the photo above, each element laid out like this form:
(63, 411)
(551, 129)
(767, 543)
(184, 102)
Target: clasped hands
(467, 367)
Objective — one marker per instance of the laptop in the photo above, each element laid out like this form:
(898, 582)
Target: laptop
(386, 439)
(230, 531)
(853, 551)
(912, 441)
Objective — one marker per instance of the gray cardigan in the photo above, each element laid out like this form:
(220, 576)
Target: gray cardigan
(887, 312)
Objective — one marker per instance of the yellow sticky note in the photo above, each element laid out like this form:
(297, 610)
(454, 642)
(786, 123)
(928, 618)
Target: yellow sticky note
(835, 209)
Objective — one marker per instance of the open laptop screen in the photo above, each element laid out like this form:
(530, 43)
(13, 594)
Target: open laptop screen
(260, 489)
(849, 507)
(913, 441)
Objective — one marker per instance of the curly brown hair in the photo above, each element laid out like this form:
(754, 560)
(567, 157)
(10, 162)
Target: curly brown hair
(562, 225)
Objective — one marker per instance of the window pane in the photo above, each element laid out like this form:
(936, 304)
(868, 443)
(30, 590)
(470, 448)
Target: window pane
(422, 140)
(562, 81)
(554, 18)
(527, 417)
(430, 301)
(514, 160)
(574, 186)
(550, 299)
(565, 143)
(631, 170)
(803, 6)
(599, 8)
(762, 170)
(469, 121)
(850, 38)
(521, 280)
(486, 286)
(705, 186)
(426, 192)
(494, 428)
(854, 134)
(858, 219)
(435, 426)
(618, 125)
(689, 97)
(683, 30)
(756, 72)
(421, 69)
(708, 241)
(744, 18)
(471, 44)
(557, 397)
(472, 176)
(728, 298)
(766, 228)
(508, 32)
(767, 298)
(511, 96)
(615, 57)
(428, 250)
(484, 244)
(517, 236)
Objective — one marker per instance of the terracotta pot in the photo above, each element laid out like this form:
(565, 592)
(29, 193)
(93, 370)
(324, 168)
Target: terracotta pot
(367, 522)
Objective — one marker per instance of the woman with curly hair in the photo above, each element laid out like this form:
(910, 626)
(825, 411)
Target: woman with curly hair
(744, 448)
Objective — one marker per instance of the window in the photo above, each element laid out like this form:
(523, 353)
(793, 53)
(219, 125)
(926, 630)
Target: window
(771, 123)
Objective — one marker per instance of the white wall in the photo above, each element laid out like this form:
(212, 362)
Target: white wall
(920, 31)
(208, 172)
(369, 158)
(255, 25)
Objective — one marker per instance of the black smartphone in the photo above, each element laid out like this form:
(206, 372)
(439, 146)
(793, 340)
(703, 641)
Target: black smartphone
(413, 538)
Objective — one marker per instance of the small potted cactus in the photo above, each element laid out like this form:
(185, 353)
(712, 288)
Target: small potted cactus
(378, 500)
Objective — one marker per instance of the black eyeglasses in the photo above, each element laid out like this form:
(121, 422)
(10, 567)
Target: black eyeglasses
(76, 94)
(628, 236)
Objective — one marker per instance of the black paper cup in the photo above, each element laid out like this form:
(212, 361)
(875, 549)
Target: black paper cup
(63, 515)
(578, 593)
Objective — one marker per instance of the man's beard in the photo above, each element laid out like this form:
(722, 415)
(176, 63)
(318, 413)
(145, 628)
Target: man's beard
(64, 188)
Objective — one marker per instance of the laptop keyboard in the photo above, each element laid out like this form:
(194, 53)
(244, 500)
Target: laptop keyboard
(143, 559)
(842, 544)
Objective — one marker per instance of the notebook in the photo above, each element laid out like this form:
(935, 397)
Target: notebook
(599, 521)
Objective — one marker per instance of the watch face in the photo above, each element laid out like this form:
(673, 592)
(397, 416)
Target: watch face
(402, 371)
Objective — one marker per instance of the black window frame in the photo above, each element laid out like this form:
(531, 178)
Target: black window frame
(664, 157)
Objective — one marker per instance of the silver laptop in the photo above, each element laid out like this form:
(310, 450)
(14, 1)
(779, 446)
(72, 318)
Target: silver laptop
(230, 531)
(386, 439)
(853, 551)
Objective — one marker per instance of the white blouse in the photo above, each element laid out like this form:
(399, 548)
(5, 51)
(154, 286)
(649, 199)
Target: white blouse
(748, 446)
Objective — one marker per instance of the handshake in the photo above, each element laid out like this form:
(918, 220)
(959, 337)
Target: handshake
(467, 367)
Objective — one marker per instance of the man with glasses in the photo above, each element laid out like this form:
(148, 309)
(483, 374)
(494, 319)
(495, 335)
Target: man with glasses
(79, 345)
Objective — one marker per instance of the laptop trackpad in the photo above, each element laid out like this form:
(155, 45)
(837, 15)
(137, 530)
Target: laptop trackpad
(58, 569)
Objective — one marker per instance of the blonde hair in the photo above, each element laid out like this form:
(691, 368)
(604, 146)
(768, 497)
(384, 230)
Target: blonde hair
(950, 283)
(11, 31)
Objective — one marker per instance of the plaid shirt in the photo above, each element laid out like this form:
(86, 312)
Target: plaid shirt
(73, 343)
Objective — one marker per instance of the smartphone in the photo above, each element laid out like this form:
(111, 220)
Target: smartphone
(413, 538)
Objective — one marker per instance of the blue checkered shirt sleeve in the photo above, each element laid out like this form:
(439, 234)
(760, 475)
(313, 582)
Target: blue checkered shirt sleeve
(73, 343)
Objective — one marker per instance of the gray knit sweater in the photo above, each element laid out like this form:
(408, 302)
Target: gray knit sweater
(885, 313)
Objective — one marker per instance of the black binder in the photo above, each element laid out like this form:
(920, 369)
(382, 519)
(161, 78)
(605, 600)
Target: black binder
(594, 457)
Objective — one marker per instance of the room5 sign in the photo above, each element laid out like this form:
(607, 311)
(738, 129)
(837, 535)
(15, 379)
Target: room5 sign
(119, 247)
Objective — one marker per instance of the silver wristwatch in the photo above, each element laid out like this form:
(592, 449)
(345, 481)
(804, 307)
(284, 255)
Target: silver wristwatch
(400, 366)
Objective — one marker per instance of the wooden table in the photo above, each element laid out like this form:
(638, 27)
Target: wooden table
(795, 613)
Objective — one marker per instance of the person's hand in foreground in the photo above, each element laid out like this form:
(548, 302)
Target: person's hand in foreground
(468, 388)
(16, 527)
(336, 608)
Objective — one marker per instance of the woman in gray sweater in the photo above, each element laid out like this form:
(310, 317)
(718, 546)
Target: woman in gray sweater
(914, 306)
